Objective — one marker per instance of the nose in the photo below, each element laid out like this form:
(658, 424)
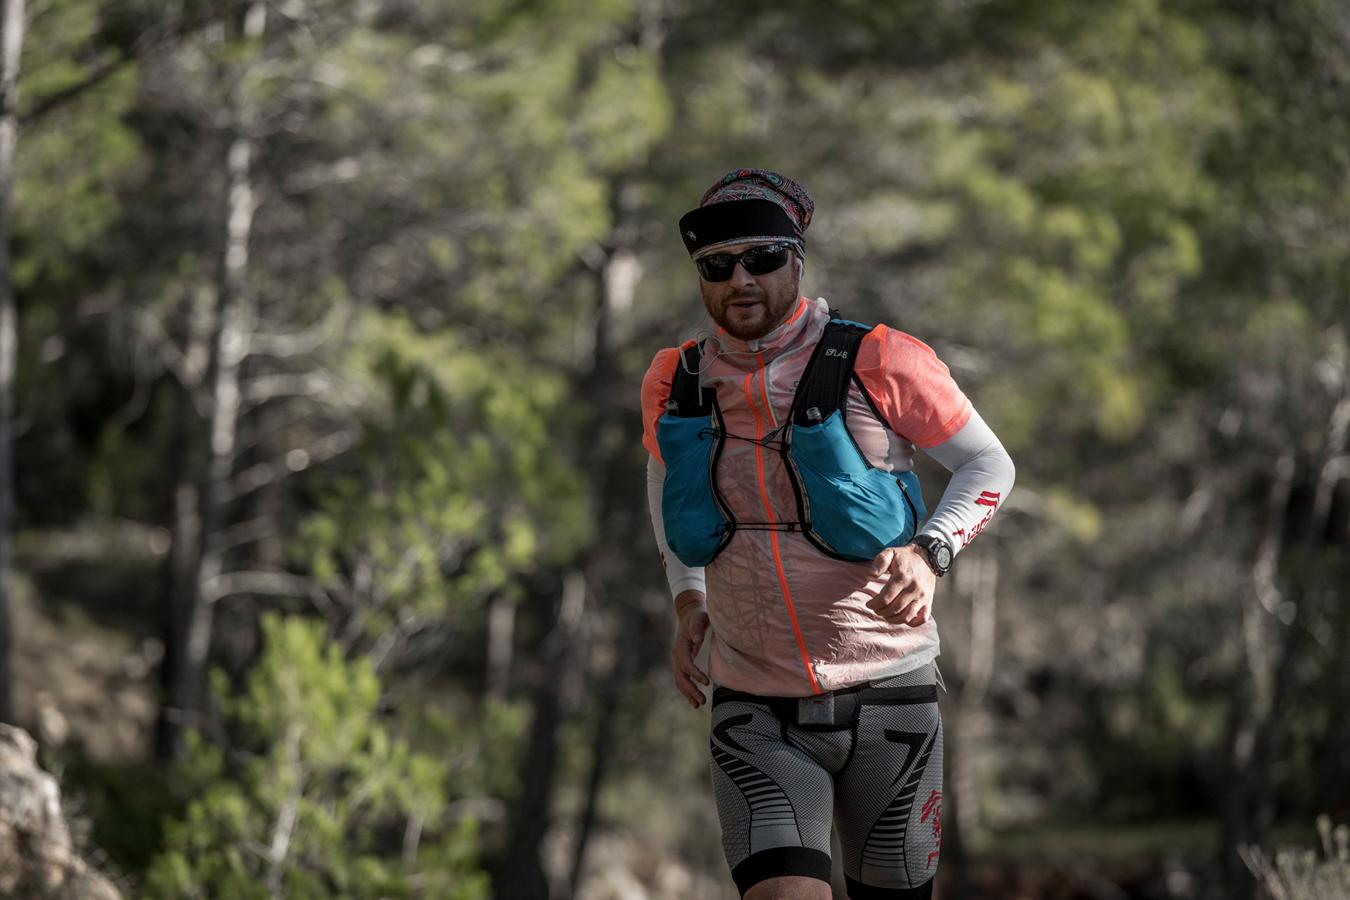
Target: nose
(740, 277)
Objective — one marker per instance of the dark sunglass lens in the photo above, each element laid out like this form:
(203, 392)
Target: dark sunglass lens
(717, 268)
(763, 260)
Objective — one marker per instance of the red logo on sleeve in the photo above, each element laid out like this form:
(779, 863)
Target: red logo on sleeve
(986, 498)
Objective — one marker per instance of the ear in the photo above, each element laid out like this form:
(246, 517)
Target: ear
(801, 266)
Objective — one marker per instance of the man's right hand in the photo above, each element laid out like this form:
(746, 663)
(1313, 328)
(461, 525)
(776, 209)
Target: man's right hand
(689, 634)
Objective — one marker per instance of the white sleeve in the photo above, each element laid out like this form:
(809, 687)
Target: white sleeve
(680, 576)
(982, 476)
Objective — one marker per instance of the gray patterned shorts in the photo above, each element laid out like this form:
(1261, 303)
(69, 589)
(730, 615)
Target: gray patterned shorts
(868, 758)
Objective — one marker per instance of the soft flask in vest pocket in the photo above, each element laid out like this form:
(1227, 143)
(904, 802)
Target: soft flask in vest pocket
(696, 530)
(854, 509)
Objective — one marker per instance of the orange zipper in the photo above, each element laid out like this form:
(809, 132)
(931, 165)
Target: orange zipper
(769, 516)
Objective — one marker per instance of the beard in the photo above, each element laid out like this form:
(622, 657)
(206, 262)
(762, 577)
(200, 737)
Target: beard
(751, 314)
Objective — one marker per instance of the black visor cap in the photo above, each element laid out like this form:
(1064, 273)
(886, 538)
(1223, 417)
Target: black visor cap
(732, 220)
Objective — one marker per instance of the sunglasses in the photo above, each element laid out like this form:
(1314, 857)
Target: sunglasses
(759, 260)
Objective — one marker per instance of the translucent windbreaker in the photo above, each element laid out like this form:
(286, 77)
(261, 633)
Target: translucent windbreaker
(787, 620)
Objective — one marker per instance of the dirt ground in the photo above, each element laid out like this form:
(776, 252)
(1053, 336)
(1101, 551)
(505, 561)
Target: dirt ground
(80, 682)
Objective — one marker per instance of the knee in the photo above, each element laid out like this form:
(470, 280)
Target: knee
(790, 887)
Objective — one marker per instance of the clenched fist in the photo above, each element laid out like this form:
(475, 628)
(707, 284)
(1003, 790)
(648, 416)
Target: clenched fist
(906, 594)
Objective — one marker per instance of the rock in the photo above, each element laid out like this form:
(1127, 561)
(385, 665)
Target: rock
(37, 858)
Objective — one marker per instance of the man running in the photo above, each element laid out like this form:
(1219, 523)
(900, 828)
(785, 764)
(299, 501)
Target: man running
(795, 539)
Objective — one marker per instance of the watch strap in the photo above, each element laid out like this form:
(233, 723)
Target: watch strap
(929, 544)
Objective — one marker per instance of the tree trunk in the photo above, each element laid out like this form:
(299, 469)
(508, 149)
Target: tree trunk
(1277, 626)
(957, 802)
(616, 274)
(192, 618)
(9, 336)
(1334, 767)
(501, 635)
(616, 288)
(607, 696)
(180, 570)
(522, 871)
(1254, 697)
(963, 721)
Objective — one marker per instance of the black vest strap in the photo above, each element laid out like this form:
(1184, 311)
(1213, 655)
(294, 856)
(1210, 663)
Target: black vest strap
(690, 402)
(825, 382)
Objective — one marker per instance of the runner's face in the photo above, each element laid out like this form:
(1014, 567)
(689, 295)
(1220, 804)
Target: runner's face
(750, 306)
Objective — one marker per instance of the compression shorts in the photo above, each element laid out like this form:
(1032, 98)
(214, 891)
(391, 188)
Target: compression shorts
(870, 758)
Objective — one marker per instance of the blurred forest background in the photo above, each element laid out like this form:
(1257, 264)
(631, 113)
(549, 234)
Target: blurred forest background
(328, 569)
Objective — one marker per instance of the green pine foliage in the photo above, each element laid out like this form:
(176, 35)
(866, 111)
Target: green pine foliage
(73, 164)
(1121, 222)
(318, 799)
(456, 492)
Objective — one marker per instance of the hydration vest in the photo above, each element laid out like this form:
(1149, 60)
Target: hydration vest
(846, 507)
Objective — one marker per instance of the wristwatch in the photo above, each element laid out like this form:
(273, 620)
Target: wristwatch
(938, 551)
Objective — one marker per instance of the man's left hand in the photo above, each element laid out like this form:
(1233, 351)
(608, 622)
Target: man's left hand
(906, 594)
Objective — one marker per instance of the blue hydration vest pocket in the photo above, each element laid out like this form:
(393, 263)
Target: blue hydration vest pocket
(695, 527)
(855, 509)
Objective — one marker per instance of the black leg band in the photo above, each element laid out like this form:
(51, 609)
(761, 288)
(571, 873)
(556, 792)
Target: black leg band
(859, 891)
(778, 861)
